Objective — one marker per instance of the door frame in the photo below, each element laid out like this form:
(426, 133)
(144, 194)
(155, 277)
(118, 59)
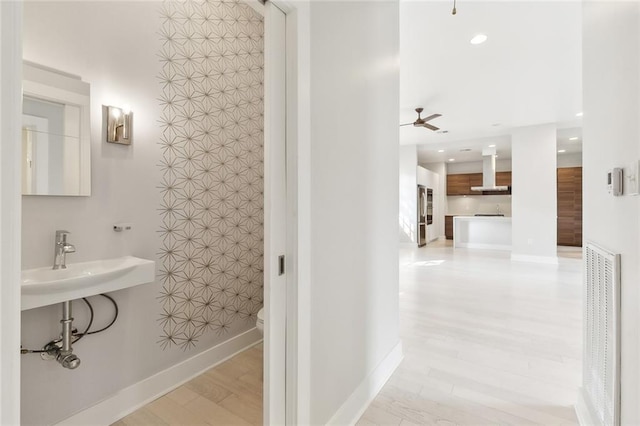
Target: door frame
(298, 229)
(275, 216)
(10, 208)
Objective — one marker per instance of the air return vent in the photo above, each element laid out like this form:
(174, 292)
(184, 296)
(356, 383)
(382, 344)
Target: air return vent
(601, 367)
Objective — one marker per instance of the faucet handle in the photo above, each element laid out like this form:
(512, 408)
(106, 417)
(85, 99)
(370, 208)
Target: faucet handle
(61, 235)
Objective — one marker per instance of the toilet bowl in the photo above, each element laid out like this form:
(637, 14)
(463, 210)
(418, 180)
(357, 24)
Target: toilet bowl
(260, 321)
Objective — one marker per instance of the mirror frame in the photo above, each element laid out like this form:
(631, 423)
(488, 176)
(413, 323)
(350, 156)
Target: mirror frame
(52, 85)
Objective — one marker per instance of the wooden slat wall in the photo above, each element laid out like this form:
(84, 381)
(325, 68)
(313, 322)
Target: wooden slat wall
(570, 206)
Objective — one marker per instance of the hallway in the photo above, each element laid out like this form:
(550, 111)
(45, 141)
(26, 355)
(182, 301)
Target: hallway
(486, 341)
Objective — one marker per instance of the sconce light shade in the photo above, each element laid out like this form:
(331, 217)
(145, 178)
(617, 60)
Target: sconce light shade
(119, 124)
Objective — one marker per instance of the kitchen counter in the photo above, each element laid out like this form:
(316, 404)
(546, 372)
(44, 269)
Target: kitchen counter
(482, 232)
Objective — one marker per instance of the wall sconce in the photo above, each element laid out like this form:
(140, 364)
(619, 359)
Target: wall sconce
(119, 121)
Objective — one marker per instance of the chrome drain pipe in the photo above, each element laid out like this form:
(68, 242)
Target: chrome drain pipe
(62, 351)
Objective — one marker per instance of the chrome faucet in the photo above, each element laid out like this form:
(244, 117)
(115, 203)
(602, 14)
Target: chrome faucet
(62, 247)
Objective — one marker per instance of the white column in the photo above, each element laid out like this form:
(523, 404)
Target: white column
(534, 199)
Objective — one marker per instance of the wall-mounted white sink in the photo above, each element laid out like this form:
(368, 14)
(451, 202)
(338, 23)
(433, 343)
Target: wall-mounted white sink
(46, 286)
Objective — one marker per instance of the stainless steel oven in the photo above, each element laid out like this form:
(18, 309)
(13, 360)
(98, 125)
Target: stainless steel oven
(429, 206)
(425, 213)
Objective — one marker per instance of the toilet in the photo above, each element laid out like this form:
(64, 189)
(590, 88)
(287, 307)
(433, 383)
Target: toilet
(260, 321)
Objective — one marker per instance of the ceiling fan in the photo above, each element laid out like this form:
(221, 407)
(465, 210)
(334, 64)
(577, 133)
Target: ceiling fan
(422, 122)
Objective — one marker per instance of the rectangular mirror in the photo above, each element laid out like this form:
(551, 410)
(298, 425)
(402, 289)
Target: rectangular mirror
(56, 145)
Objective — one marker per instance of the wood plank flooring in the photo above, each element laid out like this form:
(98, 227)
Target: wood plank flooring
(486, 341)
(228, 394)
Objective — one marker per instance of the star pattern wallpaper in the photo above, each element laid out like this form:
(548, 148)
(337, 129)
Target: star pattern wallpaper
(211, 255)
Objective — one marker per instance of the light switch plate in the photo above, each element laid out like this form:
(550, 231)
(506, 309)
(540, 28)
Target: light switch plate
(632, 178)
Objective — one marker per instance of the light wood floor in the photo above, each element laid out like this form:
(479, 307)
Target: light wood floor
(228, 394)
(486, 341)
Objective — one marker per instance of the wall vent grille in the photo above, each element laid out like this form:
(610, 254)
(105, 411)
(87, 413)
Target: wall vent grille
(601, 368)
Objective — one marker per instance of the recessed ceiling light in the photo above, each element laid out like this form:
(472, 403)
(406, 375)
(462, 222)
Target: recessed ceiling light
(478, 39)
(575, 138)
(562, 150)
(442, 131)
(492, 146)
(465, 150)
(452, 159)
(580, 114)
(441, 150)
(497, 155)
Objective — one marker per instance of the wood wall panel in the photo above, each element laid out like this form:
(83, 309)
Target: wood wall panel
(570, 206)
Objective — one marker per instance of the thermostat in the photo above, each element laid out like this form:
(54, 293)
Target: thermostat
(614, 181)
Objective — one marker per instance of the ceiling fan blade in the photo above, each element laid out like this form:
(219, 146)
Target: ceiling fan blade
(431, 117)
(430, 127)
(406, 124)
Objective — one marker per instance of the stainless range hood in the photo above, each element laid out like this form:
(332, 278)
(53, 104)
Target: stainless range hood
(489, 172)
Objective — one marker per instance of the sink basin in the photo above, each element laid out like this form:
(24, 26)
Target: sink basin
(46, 286)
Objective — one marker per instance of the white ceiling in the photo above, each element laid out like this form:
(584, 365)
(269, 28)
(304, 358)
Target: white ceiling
(528, 72)
(471, 149)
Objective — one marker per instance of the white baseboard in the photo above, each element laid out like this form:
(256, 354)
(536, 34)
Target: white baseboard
(408, 245)
(585, 418)
(137, 395)
(353, 408)
(549, 260)
(503, 247)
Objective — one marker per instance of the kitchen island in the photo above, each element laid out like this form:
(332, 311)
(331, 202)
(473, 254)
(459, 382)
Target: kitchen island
(482, 232)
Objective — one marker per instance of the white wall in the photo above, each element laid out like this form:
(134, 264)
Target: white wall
(611, 51)
(502, 165)
(354, 197)
(407, 219)
(534, 201)
(469, 205)
(570, 160)
(114, 46)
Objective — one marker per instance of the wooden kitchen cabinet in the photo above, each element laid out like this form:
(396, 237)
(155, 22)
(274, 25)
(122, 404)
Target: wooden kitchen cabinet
(458, 184)
(475, 179)
(448, 227)
(503, 178)
(461, 184)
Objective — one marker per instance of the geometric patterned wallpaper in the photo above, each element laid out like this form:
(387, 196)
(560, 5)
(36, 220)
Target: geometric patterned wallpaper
(211, 255)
